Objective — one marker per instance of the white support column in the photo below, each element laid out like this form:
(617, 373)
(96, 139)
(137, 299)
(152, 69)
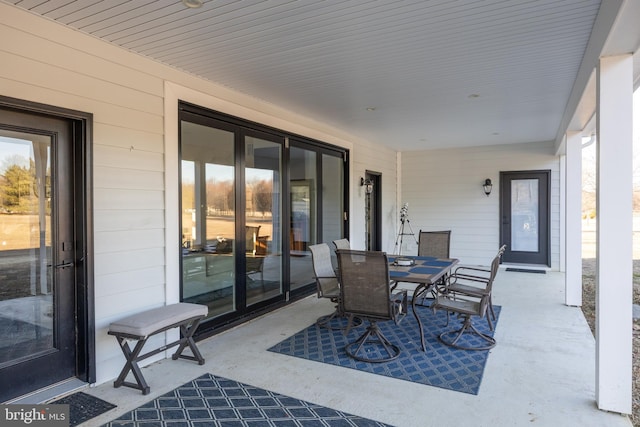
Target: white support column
(562, 174)
(614, 250)
(573, 219)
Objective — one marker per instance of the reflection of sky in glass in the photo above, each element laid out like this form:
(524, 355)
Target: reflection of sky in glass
(11, 148)
(188, 171)
(221, 173)
(258, 175)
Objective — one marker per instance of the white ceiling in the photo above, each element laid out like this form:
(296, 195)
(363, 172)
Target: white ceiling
(437, 73)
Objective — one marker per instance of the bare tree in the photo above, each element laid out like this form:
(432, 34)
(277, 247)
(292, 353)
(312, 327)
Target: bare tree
(262, 195)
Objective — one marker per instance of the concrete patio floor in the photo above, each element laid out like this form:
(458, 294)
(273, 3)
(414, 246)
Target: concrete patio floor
(541, 373)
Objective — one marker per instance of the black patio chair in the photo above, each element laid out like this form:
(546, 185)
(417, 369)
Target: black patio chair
(342, 244)
(434, 244)
(366, 294)
(476, 279)
(467, 296)
(328, 286)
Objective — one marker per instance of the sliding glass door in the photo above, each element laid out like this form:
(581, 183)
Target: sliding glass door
(316, 189)
(250, 209)
(208, 176)
(303, 226)
(263, 218)
(231, 186)
(333, 197)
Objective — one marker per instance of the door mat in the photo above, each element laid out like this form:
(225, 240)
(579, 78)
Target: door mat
(216, 401)
(83, 407)
(526, 270)
(440, 366)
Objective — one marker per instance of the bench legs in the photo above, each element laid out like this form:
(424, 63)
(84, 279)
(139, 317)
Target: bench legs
(133, 356)
(132, 365)
(187, 340)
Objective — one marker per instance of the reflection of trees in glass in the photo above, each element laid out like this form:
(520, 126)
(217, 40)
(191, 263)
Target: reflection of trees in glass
(262, 196)
(13, 160)
(18, 186)
(188, 193)
(220, 196)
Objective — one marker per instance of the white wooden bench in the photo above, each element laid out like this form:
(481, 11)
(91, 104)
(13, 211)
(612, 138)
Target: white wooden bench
(143, 325)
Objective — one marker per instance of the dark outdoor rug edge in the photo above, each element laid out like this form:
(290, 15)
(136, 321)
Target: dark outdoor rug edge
(83, 407)
(212, 400)
(441, 366)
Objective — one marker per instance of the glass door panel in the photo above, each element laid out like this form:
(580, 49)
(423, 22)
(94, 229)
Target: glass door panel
(37, 253)
(332, 198)
(524, 215)
(26, 288)
(263, 213)
(302, 231)
(235, 241)
(208, 217)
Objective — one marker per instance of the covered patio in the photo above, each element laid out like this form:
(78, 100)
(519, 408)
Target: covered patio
(520, 90)
(540, 373)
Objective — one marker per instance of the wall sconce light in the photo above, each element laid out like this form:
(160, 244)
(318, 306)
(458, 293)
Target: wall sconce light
(367, 184)
(368, 189)
(487, 186)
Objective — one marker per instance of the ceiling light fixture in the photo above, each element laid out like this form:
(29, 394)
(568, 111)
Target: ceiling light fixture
(371, 108)
(192, 4)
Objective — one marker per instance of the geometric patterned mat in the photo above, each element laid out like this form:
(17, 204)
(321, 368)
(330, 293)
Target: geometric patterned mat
(440, 366)
(215, 401)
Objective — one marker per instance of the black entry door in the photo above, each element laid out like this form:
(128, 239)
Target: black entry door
(37, 252)
(373, 212)
(524, 215)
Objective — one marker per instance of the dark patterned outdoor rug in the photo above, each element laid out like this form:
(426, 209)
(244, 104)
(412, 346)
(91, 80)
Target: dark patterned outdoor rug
(83, 407)
(441, 366)
(215, 401)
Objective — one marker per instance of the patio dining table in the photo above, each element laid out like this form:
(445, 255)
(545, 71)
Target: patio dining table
(425, 272)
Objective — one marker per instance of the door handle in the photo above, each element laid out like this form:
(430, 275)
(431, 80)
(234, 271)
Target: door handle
(64, 264)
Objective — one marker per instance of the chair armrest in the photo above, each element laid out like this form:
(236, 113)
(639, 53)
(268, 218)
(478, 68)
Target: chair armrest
(454, 278)
(470, 285)
(467, 290)
(468, 269)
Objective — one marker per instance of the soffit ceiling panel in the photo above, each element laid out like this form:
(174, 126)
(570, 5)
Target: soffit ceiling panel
(437, 73)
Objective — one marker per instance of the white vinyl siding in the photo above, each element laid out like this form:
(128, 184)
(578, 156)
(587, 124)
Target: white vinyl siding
(47, 63)
(444, 192)
(44, 62)
(374, 158)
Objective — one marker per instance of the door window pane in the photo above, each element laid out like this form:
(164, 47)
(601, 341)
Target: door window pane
(26, 289)
(332, 201)
(524, 215)
(302, 232)
(263, 182)
(208, 217)
(332, 198)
